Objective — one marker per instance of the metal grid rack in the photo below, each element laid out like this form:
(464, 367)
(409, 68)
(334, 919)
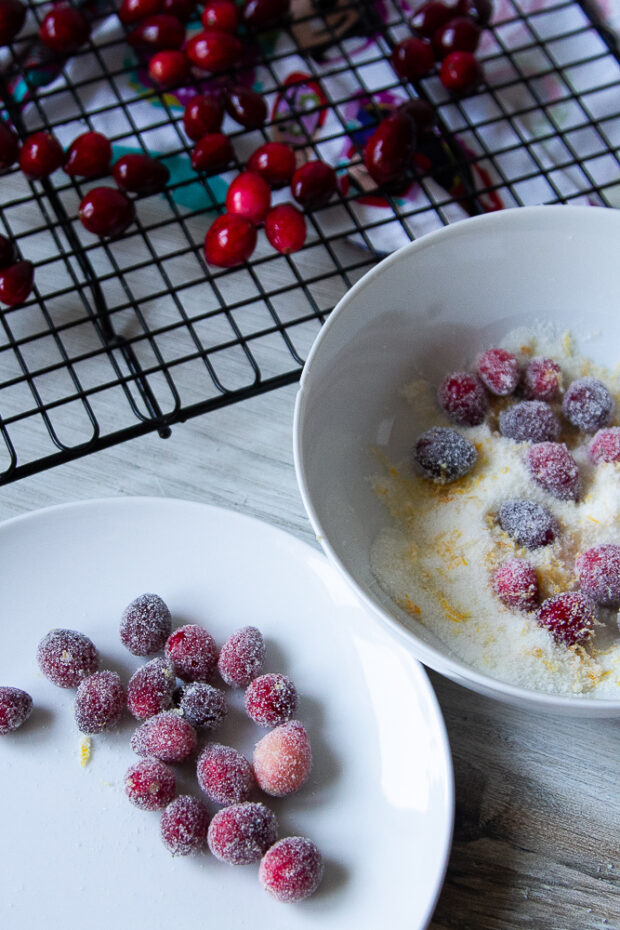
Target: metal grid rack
(129, 336)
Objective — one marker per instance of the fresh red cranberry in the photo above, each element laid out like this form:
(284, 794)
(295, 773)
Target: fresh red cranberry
(242, 833)
(413, 58)
(241, 657)
(64, 29)
(569, 617)
(150, 689)
(9, 146)
(212, 153)
(516, 584)
(12, 18)
(224, 774)
(16, 283)
(214, 51)
(528, 523)
(529, 421)
(192, 651)
(605, 447)
(203, 705)
(460, 72)
(150, 785)
(184, 825)
(157, 33)
(246, 106)
(134, 11)
(249, 196)
(457, 35)
(462, 396)
(262, 14)
(478, 10)
(221, 16)
(421, 113)
(106, 211)
(145, 625)
(40, 155)
(15, 708)
(443, 455)
(203, 114)
(291, 870)
(429, 17)
(99, 702)
(499, 371)
(389, 150)
(166, 736)
(283, 759)
(552, 467)
(168, 67)
(542, 379)
(230, 241)
(182, 9)
(313, 184)
(66, 657)
(89, 155)
(8, 252)
(587, 404)
(270, 700)
(275, 162)
(598, 574)
(285, 228)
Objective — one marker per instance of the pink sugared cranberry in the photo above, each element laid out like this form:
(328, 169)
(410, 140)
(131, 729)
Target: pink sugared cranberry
(429, 17)
(167, 736)
(140, 174)
(313, 184)
(12, 18)
(460, 72)
(478, 10)
(214, 51)
(184, 825)
(246, 106)
(16, 283)
(283, 759)
(249, 195)
(275, 162)
(598, 574)
(552, 467)
(463, 398)
(99, 702)
(499, 371)
(605, 447)
(192, 651)
(224, 774)
(285, 228)
(241, 657)
(588, 404)
(150, 785)
(516, 584)
(15, 708)
(413, 58)
(389, 151)
(242, 833)
(133, 11)
(203, 114)
(569, 617)
(64, 29)
(457, 35)
(9, 146)
(230, 240)
(169, 67)
(542, 379)
(529, 421)
(150, 689)
(66, 657)
(203, 705)
(158, 32)
(88, 155)
(105, 211)
(220, 16)
(40, 155)
(291, 869)
(270, 700)
(212, 153)
(262, 14)
(145, 625)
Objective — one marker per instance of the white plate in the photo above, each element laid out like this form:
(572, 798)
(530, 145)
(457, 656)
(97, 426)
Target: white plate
(379, 802)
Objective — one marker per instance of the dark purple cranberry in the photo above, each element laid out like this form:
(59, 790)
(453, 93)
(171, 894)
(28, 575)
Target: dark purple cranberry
(134, 11)
(16, 283)
(463, 398)
(552, 467)
(8, 252)
(421, 113)
(203, 113)
(203, 705)
(64, 29)
(588, 404)
(214, 51)
(246, 106)
(89, 155)
(275, 162)
(443, 455)
(313, 184)
(182, 9)
(429, 17)
(529, 421)
(262, 14)
(457, 35)
(528, 523)
(158, 32)
(478, 10)
(212, 153)
(40, 155)
(106, 211)
(9, 146)
(460, 72)
(389, 150)
(12, 18)
(140, 174)
(413, 58)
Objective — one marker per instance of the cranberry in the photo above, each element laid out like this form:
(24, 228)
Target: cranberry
(220, 16)
(167, 736)
(12, 18)
(157, 33)
(89, 155)
(192, 651)
(140, 174)
(413, 58)
(9, 146)
(529, 420)
(443, 455)
(275, 162)
(145, 625)
(462, 396)
(99, 702)
(528, 523)
(203, 705)
(499, 371)
(292, 869)
(457, 35)
(168, 67)
(40, 155)
(246, 106)
(542, 379)
(242, 833)
(262, 14)
(64, 29)
(214, 51)
(598, 574)
(569, 617)
(184, 825)
(133, 11)
(230, 240)
(150, 785)
(285, 228)
(389, 150)
(460, 72)
(241, 657)
(224, 774)
(66, 657)
(270, 700)
(478, 10)
(181, 9)
(587, 404)
(313, 184)
(552, 467)
(429, 17)
(203, 114)
(283, 759)
(516, 584)
(249, 196)
(605, 447)
(150, 689)
(15, 708)
(8, 252)
(212, 153)
(105, 211)
(421, 113)
(16, 283)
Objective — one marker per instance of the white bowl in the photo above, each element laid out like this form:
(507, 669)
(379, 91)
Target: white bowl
(429, 308)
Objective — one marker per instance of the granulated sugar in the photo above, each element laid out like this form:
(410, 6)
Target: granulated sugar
(438, 557)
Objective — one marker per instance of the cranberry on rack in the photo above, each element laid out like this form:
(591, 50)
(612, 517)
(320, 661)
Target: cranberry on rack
(275, 162)
(460, 72)
(457, 35)
(214, 51)
(221, 16)
(64, 29)
(429, 17)
(262, 14)
(134, 11)
(88, 156)
(389, 151)
(169, 67)
(250, 196)
(230, 240)
(313, 184)
(106, 211)
(203, 113)
(285, 228)
(12, 19)
(40, 155)
(413, 58)
(158, 32)
(212, 153)
(246, 106)
(16, 283)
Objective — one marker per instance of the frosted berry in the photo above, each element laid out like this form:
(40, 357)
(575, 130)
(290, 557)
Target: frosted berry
(528, 523)
(463, 398)
(158, 32)
(413, 58)
(99, 702)
(605, 446)
(15, 708)
(220, 15)
(242, 833)
(184, 825)
(105, 211)
(270, 700)
(275, 162)
(429, 17)
(132, 11)
(246, 106)
(150, 689)
(598, 574)
(569, 617)
(214, 51)
(203, 705)
(203, 114)
(262, 14)
(12, 18)
(291, 869)
(230, 241)
(88, 155)
(285, 228)
(516, 584)
(224, 774)
(241, 657)
(460, 72)
(192, 651)
(283, 759)
(9, 146)
(212, 153)
(552, 467)
(66, 657)
(140, 174)
(457, 35)
(249, 195)
(389, 151)
(16, 283)
(64, 29)
(542, 379)
(443, 455)
(313, 184)
(145, 625)
(499, 371)
(40, 155)
(587, 404)
(150, 785)
(167, 736)
(529, 421)
(169, 67)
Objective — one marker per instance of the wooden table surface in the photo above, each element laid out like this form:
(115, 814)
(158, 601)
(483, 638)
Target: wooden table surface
(537, 797)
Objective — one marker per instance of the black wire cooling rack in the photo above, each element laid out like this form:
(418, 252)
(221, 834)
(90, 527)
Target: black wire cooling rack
(130, 336)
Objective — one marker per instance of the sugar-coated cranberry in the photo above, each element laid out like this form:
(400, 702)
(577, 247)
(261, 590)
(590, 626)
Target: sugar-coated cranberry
(249, 195)
(105, 211)
(421, 113)
(242, 833)
(40, 155)
(192, 651)
(542, 379)
(499, 371)
(12, 18)
(150, 689)
(460, 34)
(270, 700)
(313, 184)
(9, 146)
(15, 708)
(158, 32)
(145, 625)
(388, 153)
(88, 155)
(8, 252)
(230, 240)
(66, 657)
(241, 657)
(292, 869)
(478, 10)
(224, 774)
(598, 574)
(569, 617)
(168, 67)
(275, 162)
(212, 153)
(285, 228)
(552, 467)
(587, 404)
(214, 51)
(64, 29)
(203, 114)
(16, 283)
(133, 11)
(140, 174)
(246, 106)
(429, 17)
(283, 759)
(184, 825)
(150, 785)
(262, 14)
(516, 584)
(605, 446)
(443, 455)
(530, 524)
(462, 397)
(529, 421)
(167, 736)
(221, 16)
(460, 72)
(203, 705)
(99, 702)
(182, 9)
(413, 58)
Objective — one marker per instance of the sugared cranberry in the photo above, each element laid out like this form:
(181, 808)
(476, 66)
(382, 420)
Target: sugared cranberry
(499, 371)
(106, 211)
(429, 17)
(516, 584)
(12, 18)
(569, 617)
(457, 35)
(88, 155)
(270, 700)
(214, 51)
(246, 106)
(463, 398)
(212, 153)
(313, 184)
(64, 29)
(528, 523)
(8, 252)
(230, 240)
(249, 196)
(460, 72)
(529, 421)
(167, 736)
(145, 625)
(241, 657)
(99, 702)
(15, 708)
(40, 155)
(285, 228)
(588, 404)
(168, 67)
(221, 16)
(478, 10)
(283, 759)
(291, 870)
(389, 150)
(9, 146)
(203, 705)
(598, 574)
(443, 455)
(275, 162)
(192, 651)
(421, 113)
(16, 283)
(203, 114)
(224, 774)
(242, 833)
(182, 9)
(157, 33)
(542, 379)
(552, 467)
(262, 14)
(133, 11)
(605, 447)
(184, 825)
(150, 689)
(66, 657)
(413, 58)
(150, 785)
